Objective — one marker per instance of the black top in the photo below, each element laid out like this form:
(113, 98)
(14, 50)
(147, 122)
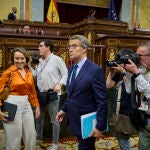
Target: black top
(125, 97)
(11, 16)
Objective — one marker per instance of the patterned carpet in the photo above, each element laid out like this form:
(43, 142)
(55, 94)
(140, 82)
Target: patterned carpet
(71, 143)
(105, 143)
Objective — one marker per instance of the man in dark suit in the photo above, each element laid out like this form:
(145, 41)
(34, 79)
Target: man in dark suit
(86, 94)
(12, 15)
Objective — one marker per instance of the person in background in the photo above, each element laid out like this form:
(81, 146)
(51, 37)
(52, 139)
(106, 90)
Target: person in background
(91, 14)
(1, 22)
(12, 15)
(86, 94)
(23, 94)
(116, 78)
(50, 74)
(141, 75)
(136, 26)
(26, 29)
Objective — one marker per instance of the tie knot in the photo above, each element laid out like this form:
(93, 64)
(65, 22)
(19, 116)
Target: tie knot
(75, 66)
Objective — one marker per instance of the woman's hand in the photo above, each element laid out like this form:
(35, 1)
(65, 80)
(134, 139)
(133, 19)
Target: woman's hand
(37, 112)
(3, 117)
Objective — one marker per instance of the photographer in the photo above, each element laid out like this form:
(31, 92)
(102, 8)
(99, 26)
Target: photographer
(142, 79)
(116, 78)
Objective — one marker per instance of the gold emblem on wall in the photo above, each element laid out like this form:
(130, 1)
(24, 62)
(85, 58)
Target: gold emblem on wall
(111, 55)
(64, 56)
(90, 37)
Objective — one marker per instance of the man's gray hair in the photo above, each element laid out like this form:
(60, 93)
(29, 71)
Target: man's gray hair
(84, 41)
(147, 45)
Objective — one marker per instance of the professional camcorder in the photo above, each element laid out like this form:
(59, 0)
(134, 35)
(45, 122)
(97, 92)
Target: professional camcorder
(123, 59)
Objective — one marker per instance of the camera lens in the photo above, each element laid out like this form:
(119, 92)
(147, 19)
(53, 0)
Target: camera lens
(111, 63)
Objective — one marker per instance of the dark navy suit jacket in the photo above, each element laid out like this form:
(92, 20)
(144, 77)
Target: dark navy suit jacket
(11, 16)
(87, 94)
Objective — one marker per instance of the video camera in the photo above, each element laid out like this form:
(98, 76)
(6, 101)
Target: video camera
(123, 59)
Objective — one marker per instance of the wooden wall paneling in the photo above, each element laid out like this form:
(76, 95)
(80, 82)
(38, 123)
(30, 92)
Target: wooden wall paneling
(114, 35)
(6, 57)
(143, 40)
(90, 54)
(97, 56)
(15, 41)
(2, 40)
(112, 42)
(99, 53)
(64, 55)
(29, 42)
(127, 42)
(3, 48)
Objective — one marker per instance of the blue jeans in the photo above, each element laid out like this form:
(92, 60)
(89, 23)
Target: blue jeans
(52, 108)
(124, 143)
(144, 137)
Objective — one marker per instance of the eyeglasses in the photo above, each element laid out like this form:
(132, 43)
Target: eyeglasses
(74, 46)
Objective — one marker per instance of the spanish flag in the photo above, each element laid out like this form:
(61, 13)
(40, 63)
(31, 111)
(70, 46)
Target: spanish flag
(52, 14)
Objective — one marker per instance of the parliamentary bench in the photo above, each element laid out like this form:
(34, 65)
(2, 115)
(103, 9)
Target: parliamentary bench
(42, 32)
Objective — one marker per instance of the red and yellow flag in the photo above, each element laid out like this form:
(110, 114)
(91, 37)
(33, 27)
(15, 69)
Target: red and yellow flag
(52, 14)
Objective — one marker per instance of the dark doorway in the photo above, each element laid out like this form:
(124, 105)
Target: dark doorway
(72, 13)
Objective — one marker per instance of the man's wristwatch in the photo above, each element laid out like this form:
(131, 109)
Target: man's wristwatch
(123, 74)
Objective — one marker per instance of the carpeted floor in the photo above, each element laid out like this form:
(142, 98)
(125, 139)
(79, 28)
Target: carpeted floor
(70, 143)
(105, 143)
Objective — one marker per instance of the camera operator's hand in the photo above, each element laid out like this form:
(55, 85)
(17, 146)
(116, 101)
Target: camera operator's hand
(132, 67)
(109, 82)
(111, 70)
(120, 68)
